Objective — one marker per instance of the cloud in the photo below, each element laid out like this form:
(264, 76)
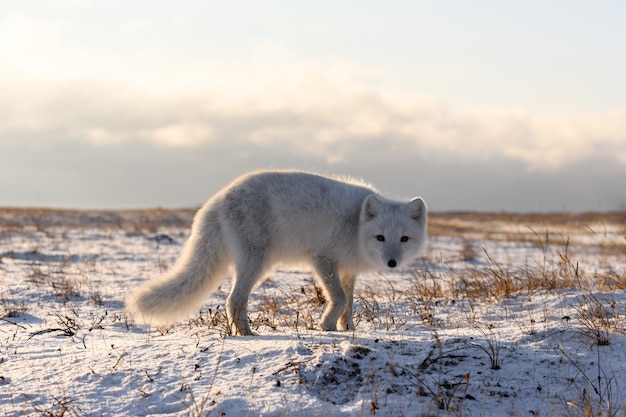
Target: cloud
(339, 126)
(182, 134)
(133, 27)
(70, 4)
(23, 39)
(269, 99)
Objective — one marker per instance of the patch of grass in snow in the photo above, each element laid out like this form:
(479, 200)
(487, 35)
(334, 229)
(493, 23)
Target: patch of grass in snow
(462, 299)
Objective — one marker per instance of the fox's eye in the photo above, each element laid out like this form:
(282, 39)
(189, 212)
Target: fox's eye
(380, 238)
(404, 239)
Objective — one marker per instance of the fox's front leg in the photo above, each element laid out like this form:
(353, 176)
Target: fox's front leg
(331, 284)
(345, 321)
(247, 272)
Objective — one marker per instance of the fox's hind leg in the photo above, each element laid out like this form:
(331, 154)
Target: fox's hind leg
(347, 282)
(329, 280)
(247, 273)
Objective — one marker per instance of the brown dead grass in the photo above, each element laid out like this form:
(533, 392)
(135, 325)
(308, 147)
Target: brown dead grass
(145, 220)
(599, 316)
(440, 224)
(607, 231)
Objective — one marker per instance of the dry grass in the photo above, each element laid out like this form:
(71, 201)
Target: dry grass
(138, 220)
(600, 317)
(431, 294)
(466, 223)
(491, 281)
(607, 231)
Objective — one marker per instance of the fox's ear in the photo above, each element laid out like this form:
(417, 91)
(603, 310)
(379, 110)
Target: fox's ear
(371, 208)
(416, 208)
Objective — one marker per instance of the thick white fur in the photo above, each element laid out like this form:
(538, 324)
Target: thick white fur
(340, 227)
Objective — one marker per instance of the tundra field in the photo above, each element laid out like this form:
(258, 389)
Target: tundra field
(520, 315)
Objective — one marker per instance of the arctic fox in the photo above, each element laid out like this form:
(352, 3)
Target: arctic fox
(339, 227)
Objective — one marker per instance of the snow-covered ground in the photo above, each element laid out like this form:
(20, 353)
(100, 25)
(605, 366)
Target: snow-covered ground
(476, 328)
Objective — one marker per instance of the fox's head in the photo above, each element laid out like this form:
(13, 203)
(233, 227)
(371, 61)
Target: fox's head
(392, 233)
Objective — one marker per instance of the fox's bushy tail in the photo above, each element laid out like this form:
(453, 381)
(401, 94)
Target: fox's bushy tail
(197, 273)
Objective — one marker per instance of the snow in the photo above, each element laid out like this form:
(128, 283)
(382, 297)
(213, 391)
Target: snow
(68, 348)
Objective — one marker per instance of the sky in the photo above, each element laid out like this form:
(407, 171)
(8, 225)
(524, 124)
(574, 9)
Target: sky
(482, 106)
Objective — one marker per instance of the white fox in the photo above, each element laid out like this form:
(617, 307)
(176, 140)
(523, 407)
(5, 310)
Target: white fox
(340, 227)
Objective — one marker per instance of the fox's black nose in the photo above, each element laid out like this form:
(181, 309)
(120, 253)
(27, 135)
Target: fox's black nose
(392, 263)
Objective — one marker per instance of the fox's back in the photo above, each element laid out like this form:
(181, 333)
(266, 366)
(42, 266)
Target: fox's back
(297, 212)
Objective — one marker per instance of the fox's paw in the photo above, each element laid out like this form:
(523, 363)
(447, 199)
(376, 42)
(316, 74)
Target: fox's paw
(243, 332)
(328, 327)
(346, 324)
